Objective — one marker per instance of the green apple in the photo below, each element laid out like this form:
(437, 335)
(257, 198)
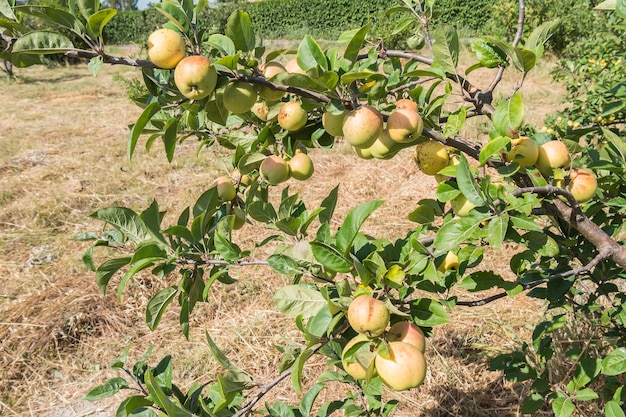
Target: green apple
(195, 77)
(274, 169)
(524, 151)
(333, 122)
(225, 188)
(270, 70)
(301, 166)
(239, 97)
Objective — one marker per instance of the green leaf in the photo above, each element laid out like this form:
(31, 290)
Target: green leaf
(107, 269)
(615, 362)
(6, 10)
(496, 230)
(42, 42)
(330, 258)
(328, 204)
(99, 20)
(95, 65)
(283, 264)
(489, 55)
(87, 7)
(509, 115)
(173, 11)
(170, 408)
(428, 313)
(308, 399)
(55, 16)
(403, 24)
(613, 409)
(157, 305)
(239, 29)
(135, 406)
(223, 44)
(446, 49)
(484, 280)
(563, 407)
(125, 220)
(227, 249)
(493, 147)
(299, 300)
(423, 214)
(356, 43)
(108, 389)
(539, 36)
(467, 183)
(586, 394)
(455, 122)
(310, 55)
(453, 233)
(147, 114)
(352, 224)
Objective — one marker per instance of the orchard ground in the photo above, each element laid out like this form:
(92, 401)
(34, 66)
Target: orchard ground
(63, 140)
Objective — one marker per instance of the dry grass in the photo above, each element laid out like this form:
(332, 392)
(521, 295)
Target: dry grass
(63, 135)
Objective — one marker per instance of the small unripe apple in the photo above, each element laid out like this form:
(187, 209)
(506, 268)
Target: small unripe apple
(407, 332)
(582, 184)
(368, 315)
(225, 188)
(406, 103)
(274, 169)
(292, 67)
(553, 154)
(166, 48)
(362, 126)
(404, 369)
(404, 125)
(333, 122)
(451, 261)
(461, 206)
(301, 166)
(195, 77)
(239, 97)
(292, 116)
(270, 70)
(524, 151)
(260, 110)
(431, 157)
(354, 368)
(383, 146)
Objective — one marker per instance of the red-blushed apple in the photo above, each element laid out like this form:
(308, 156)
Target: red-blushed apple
(368, 315)
(431, 157)
(274, 169)
(292, 116)
(404, 125)
(225, 188)
(166, 48)
(195, 77)
(582, 184)
(407, 332)
(406, 103)
(269, 71)
(239, 97)
(362, 126)
(405, 368)
(553, 154)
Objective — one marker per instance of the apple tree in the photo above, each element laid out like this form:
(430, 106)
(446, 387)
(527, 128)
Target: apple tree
(365, 303)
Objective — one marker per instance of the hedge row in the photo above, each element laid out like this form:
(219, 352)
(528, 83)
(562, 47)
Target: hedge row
(326, 19)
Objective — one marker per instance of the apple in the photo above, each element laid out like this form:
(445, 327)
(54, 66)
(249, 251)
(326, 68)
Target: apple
(301, 166)
(524, 151)
(195, 77)
(364, 153)
(460, 206)
(270, 70)
(354, 368)
(166, 48)
(368, 315)
(225, 188)
(404, 125)
(239, 97)
(292, 67)
(407, 332)
(240, 218)
(383, 146)
(553, 154)
(404, 369)
(406, 103)
(260, 110)
(362, 126)
(274, 169)
(431, 157)
(451, 261)
(333, 122)
(292, 116)
(582, 184)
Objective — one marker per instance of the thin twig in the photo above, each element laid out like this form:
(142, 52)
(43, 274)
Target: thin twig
(518, 37)
(264, 390)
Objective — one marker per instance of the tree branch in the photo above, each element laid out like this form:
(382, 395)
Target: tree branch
(264, 390)
(518, 37)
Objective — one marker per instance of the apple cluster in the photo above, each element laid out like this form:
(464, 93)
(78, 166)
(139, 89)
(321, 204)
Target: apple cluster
(395, 355)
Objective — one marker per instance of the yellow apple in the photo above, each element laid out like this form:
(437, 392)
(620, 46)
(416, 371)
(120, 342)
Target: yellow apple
(524, 151)
(460, 206)
(404, 369)
(362, 126)
(165, 48)
(333, 122)
(431, 157)
(404, 125)
(553, 154)
(368, 315)
(383, 146)
(405, 103)
(292, 116)
(301, 166)
(451, 261)
(260, 110)
(195, 77)
(274, 169)
(239, 97)
(364, 153)
(270, 70)
(582, 184)
(407, 332)
(225, 188)
(292, 67)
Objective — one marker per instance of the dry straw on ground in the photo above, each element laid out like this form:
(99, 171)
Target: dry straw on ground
(64, 137)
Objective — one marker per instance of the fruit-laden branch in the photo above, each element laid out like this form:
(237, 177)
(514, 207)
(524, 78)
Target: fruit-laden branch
(602, 255)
